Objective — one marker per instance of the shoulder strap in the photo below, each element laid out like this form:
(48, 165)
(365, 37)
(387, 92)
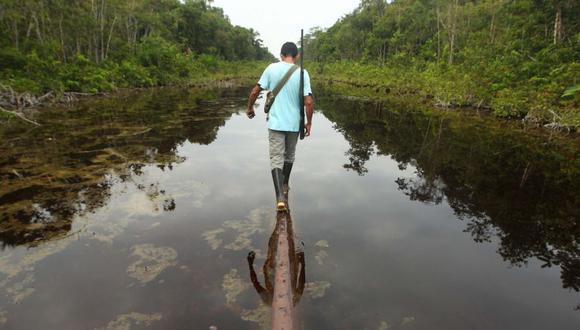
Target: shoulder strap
(282, 82)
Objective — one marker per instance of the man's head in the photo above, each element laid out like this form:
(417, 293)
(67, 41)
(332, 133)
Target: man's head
(289, 49)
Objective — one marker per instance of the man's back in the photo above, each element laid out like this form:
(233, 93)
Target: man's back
(285, 112)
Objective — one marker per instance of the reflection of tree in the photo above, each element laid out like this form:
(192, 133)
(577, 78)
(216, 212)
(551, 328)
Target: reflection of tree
(422, 189)
(361, 147)
(67, 167)
(517, 187)
(358, 154)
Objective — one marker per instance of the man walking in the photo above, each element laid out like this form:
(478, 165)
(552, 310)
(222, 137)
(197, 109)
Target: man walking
(284, 117)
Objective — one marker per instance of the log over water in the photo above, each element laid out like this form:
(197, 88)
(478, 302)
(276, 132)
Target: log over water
(284, 274)
(283, 313)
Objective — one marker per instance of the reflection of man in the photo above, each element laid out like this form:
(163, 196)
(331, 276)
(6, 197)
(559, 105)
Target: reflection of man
(267, 293)
(284, 117)
(297, 267)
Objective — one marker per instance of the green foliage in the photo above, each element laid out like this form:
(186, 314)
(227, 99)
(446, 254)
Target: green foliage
(11, 58)
(65, 46)
(510, 55)
(571, 92)
(45, 71)
(209, 62)
(509, 103)
(22, 84)
(130, 73)
(160, 57)
(82, 75)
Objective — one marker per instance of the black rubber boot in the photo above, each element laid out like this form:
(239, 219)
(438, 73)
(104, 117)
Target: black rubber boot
(286, 171)
(278, 178)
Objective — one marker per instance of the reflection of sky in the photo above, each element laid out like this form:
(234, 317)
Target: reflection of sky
(389, 260)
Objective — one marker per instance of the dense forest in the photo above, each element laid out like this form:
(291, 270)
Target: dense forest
(517, 57)
(100, 45)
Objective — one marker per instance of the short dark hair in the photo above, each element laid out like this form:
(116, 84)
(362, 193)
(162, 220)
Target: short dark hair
(289, 49)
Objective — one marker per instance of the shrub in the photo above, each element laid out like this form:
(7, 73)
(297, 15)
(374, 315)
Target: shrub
(209, 62)
(82, 75)
(46, 72)
(509, 103)
(131, 74)
(11, 58)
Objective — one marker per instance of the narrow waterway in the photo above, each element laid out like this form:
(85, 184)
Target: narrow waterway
(139, 211)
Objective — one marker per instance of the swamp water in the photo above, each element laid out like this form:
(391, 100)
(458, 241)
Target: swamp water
(138, 212)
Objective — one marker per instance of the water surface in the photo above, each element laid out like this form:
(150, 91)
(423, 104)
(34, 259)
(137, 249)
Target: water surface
(139, 211)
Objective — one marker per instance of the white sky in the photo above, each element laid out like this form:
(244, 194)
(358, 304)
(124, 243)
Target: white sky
(281, 21)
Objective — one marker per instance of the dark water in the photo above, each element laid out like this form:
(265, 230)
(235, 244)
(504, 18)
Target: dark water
(139, 211)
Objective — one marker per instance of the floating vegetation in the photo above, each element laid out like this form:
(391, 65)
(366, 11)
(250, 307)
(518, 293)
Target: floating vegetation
(255, 223)
(322, 244)
(321, 254)
(233, 285)
(195, 191)
(18, 271)
(13, 264)
(151, 261)
(66, 195)
(140, 204)
(384, 325)
(211, 236)
(105, 228)
(128, 321)
(317, 289)
(61, 183)
(407, 320)
(262, 315)
(67, 168)
(20, 290)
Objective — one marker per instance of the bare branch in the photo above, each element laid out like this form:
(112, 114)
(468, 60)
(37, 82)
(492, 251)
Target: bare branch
(19, 115)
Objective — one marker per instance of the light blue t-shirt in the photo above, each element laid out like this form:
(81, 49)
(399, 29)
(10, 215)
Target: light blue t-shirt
(284, 114)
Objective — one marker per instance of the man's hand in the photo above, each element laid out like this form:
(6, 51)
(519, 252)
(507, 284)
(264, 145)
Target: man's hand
(251, 256)
(250, 113)
(308, 126)
(309, 103)
(251, 100)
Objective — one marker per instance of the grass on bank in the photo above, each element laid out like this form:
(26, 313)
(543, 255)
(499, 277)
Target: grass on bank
(546, 99)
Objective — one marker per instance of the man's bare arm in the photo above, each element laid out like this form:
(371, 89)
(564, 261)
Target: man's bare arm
(309, 103)
(299, 290)
(253, 275)
(251, 100)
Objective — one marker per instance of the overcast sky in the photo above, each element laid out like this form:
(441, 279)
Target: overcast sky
(281, 21)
